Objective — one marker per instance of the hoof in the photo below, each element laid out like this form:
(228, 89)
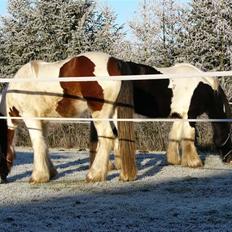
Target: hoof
(3, 181)
(196, 163)
(95, 176)
(128, 177)
(37, 178)
(173, 156)
(174, 162)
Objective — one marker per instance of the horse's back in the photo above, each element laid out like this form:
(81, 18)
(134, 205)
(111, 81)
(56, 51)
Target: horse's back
(180, 68)
(55, 98)
(186, 68)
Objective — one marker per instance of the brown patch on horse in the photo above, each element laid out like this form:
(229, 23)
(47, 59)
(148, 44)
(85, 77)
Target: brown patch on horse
(10, 155)
(113, 67)
(91, 92)
(14, 113)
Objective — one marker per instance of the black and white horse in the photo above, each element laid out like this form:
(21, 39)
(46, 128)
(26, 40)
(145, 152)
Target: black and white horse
(182, 98)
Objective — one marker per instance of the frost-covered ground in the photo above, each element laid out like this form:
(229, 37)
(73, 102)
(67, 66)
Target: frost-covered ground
(164, 198)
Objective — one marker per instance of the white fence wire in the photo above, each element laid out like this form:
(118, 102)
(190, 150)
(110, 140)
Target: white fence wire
(119, 78)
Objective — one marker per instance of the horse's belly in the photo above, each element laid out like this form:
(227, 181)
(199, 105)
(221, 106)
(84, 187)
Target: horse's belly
(43, 100)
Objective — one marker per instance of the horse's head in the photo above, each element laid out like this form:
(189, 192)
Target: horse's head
(222, 130)
(226, 149)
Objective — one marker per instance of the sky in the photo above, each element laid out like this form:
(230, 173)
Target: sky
(3, 7)
(125, 9)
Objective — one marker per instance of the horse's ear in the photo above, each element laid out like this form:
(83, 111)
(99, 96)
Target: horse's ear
(34, 68)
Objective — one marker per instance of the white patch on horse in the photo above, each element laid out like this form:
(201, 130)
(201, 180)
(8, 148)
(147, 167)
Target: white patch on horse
(183, 88)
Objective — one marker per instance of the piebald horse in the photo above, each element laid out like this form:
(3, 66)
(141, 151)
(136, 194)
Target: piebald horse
(103, 99)
(182, 98)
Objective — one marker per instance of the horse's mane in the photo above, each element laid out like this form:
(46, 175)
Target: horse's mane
(142, 68)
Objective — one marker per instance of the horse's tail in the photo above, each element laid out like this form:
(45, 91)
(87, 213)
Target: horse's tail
(125, 109)
(4, 169)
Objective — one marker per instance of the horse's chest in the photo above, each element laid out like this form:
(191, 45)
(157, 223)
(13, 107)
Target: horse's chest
(182, 94)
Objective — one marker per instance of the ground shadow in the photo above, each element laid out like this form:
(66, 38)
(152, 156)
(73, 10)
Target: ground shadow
(185, 204)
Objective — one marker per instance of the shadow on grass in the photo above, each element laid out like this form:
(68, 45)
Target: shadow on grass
(153, 164)
(186, 204)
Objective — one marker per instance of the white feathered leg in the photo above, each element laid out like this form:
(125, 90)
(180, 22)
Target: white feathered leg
(43, 169)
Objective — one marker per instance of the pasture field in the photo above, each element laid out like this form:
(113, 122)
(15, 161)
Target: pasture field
(163, 198)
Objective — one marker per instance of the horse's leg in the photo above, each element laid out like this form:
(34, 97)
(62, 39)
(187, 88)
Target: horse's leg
(173, 150)
(93, 146)
(99, 167)
(52, 169)
(7, 150)
(117, 156)
(43, 169)
(4, 170)
(93, 143)
(190, 157)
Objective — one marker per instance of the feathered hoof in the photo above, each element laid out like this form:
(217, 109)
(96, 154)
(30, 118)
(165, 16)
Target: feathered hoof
(173, 161)
(95, 176)
(39, 178)
(196, 163)
(173, 156)
(128, 177)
